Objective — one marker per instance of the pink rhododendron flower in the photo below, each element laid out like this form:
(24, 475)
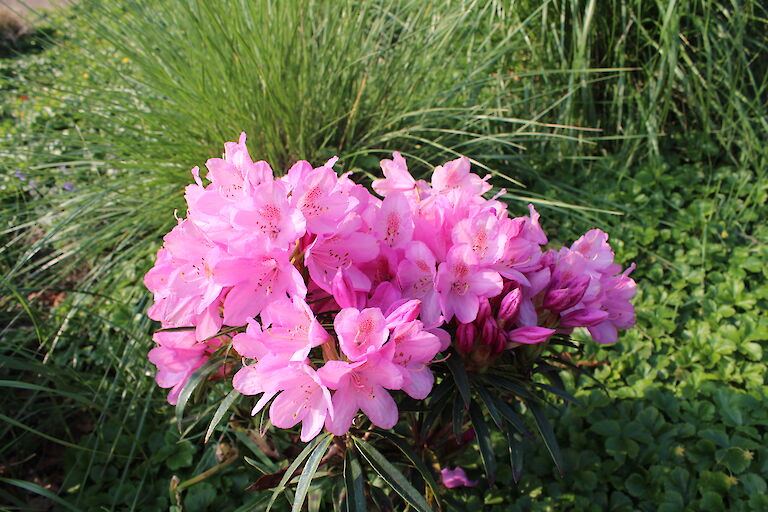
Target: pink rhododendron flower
(394, 221)
(416, 274)
(360, 332)
(317, 197)
(363, 385)
(455, 175)
(460, 283)
(396, 177)
(456, 478)
(333, 301)
(257, 282)
(178, 355)
(414, 350)
(268, 213)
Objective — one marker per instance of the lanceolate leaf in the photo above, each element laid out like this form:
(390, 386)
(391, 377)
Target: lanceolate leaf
(381, 500)
(437, 402)
(309, 471)
(512, 417)
(490, 405)
(392, 476)
(457, 419)
(564, 342)
(268, 465)
(456, 366)
(483, 436)
(34, 488)
(354, 482)
(199, 376)
(559, 392)
(552, 374)
(510, 386)
(577, 369)
(545, 429)
(515, 455)
(294, 465)
(418, 463)
(220, 411)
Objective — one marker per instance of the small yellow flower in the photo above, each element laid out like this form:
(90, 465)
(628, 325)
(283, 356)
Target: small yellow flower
(731, 480)
(125, 60)
(86, 75)
(679, 450)
(724, 234)
(748, 455)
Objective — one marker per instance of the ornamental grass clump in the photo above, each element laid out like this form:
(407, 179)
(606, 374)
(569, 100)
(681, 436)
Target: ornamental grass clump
(338, 306)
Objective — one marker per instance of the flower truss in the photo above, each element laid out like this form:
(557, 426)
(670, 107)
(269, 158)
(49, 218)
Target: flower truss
(334, 301)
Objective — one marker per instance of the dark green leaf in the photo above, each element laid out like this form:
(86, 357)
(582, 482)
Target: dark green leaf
(392, 476)
(483, 436)
(382, 501)
(510, 386)
(545, 429)
(181, 456)
(736, 459)
(578, 370)
(354, 482)
(490, 405)
(254, 464)
(515, 455)
(460, 377)
(199, 497)
(41, 491)
(417, 462)
(636, 485)
(711, 502)
(458, 419)
(298, 461)
(559, 392)
(564, 342)
(437, 402)
(267, 463)
(310, 468)
(198, 377)
(607, 428)
(220, 411)
(512, 417)
(753, 484)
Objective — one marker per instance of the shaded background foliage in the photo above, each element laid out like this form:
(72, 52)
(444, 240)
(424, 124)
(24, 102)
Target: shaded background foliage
(646, 117)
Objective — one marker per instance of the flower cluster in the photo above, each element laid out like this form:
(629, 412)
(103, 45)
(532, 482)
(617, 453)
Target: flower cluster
(335, 298)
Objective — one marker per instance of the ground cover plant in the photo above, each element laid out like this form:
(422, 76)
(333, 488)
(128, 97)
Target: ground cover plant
(680, 99)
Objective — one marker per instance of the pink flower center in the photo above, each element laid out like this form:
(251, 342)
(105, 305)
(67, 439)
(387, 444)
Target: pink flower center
(364, 330)
(393, 228)
(480, 243)
(309, 204)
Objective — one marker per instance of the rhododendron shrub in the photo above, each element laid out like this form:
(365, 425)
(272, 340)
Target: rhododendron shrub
(332, 305)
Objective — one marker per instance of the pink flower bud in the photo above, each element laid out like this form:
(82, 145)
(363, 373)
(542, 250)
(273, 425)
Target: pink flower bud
(499, 343)
(530, 335)
(586, 317)
(343, 292)
(402, 312)
(484, 310)
(456, 478)
(509, 306)
(465, 337)
(564, 295)
(488, 332)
